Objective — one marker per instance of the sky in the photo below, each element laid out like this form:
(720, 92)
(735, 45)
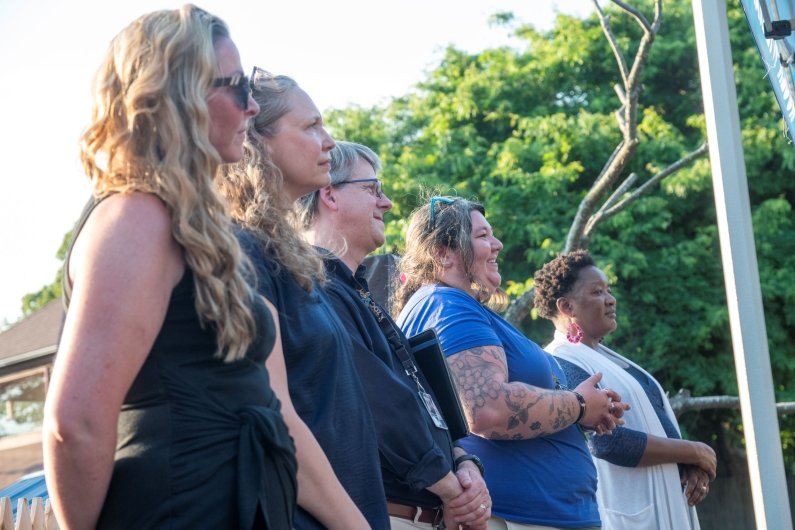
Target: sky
(346, 52)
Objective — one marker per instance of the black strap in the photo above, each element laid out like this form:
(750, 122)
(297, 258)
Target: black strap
(66, 285)
(392, 337)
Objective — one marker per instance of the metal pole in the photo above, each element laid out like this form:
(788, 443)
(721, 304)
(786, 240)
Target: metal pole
(746, 314)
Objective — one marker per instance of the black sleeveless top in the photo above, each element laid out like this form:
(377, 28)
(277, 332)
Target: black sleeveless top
(201, 443)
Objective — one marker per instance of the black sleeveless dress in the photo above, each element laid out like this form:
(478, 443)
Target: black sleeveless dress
(201, 443)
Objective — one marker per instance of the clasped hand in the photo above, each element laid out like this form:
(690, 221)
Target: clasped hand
(603, 407)
(472, 508)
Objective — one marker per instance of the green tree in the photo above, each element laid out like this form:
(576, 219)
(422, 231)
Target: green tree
(529, 131)
(32, 302)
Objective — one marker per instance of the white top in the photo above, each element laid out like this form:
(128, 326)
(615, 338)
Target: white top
(632, 498)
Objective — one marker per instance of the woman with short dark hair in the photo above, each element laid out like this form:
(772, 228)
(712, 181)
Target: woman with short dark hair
(643, 466)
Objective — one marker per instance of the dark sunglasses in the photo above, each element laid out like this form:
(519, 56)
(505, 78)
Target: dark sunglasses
(375, 188)
(240, 86)
(434, 202)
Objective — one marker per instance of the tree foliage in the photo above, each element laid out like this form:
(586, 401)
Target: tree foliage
(527, 131)
(32, 302)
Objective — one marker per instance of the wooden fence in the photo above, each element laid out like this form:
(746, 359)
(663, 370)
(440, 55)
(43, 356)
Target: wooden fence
(34, 515)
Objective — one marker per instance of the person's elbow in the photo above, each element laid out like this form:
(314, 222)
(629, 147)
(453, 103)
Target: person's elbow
(65, 426)
(598, 450)
(487, 420)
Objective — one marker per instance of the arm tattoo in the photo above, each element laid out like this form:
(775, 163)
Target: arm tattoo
(482, 377)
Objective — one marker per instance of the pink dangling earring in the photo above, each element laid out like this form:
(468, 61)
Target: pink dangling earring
(574, 333)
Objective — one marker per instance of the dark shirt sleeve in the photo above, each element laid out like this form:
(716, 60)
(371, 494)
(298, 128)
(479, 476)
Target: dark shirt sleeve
(254, 249)
(625, 447)
(657, 401)
(407, 450)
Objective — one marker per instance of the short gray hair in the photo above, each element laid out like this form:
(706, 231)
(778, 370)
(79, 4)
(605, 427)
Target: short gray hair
(344, 157)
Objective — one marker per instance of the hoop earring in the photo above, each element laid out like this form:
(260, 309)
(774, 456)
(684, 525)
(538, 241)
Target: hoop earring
(574, 333)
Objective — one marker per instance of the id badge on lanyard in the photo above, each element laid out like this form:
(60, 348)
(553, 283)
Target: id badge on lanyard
(430, 406)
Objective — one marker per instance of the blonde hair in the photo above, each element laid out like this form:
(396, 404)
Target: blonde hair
(149, 132)
(254, 187)
(451, 228)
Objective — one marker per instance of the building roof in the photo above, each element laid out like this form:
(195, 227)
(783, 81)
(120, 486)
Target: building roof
(27, 487)
(34, 337)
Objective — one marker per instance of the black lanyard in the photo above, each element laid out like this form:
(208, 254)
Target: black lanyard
(388, 328)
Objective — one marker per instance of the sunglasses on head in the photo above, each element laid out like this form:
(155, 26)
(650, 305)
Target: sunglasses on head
(434, 202)
(260, 75)
(240, 86)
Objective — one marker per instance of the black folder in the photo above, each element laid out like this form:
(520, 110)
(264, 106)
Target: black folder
(432, 363)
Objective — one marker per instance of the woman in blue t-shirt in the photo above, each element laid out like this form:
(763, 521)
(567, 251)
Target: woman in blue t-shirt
(526, 426)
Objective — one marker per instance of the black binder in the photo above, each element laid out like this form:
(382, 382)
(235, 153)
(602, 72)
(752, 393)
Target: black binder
(432, 363)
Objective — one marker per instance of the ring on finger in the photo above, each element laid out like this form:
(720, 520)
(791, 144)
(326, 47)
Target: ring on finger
(482, 506)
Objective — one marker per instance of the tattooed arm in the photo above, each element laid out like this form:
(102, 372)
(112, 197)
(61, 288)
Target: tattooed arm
(499, 409)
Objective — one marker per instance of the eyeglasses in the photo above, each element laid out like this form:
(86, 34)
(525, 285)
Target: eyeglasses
(434, 201)
(374, 189)
(240, 86)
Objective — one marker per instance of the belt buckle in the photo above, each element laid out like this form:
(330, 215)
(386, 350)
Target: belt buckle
(438, 520)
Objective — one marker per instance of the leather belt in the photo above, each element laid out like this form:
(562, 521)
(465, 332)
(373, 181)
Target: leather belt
(426, 515)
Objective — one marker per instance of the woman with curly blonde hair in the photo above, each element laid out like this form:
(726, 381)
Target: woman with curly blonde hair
(160, 398)
(286, 157)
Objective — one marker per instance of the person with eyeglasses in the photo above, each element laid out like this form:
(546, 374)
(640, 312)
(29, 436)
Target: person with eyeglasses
(424, 487)
(288, 155)
(526, 425)
(160, 412)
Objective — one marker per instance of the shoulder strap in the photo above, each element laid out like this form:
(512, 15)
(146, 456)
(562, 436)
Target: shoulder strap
(66, 286)
(388, 328)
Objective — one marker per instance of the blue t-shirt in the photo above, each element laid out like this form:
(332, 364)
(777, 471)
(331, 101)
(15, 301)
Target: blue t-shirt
(549, 480)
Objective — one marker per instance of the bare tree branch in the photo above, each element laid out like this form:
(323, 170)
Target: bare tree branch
(633, 85)
(585, 220)
(619, 113)
(627, 119)
(637, 15)
(621, 190)
(611, 39)
(683, 402)
(607, 210)
(647, 186)
(630, 180)
(610, 173)
(519, 308)
(622, 97)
